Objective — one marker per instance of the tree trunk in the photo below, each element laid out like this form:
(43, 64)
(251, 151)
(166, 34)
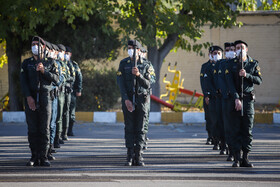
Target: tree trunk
(156, 56)
(153, 56)
(13, 50)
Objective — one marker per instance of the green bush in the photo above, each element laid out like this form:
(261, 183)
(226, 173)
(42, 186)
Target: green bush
(100, 90)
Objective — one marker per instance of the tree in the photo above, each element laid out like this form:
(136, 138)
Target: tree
(171, 24)
(22, 19)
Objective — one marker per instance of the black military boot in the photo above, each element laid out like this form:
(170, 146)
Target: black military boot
(50, 156)
(236, 159)
(216, 144)
(64, 138)
(44, 159)
(223, 148)
(34, 160)
(208, 141)
(70, 129)
(56, 142)
(245, 161)
(230, 155)
(138, 158)
(130, 156)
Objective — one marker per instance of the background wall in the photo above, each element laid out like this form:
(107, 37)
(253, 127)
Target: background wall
(261, 30)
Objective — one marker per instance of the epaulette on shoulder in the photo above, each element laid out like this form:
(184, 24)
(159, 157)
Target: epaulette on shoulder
(125, 60)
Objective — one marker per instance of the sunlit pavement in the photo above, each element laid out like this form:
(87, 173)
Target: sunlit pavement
(176, 156)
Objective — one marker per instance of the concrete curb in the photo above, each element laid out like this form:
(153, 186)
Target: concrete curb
(155, 117)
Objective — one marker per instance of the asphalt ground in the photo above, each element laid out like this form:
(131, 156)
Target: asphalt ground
(176, 156)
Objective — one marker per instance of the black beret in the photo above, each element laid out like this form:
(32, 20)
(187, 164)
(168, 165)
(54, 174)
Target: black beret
(227, 44)
(134, 43)
(217, 48)
(38, 38)
(68, 49)
(61, 47)
(240, 42)
(49, 45)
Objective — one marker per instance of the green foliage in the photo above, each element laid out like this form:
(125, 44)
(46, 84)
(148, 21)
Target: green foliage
(252, 5)
(3, 56)
(153, 21)
(100, 90)
(22, 19)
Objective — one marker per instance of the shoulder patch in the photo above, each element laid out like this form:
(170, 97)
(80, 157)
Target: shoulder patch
(219, 71)
(128, 61)
(205, 75)
(215, 71)
(226, 72)
(201, 74)
(119, 73)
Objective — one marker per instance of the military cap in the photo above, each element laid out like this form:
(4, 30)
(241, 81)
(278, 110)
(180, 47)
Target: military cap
(227, 44)
(210, 49)
(49, 45)
(240, 42)
(217, 48)
(61, 47)
(55, 47)
(143, 50)
(68, 49)
(38, 38)
(134, 43)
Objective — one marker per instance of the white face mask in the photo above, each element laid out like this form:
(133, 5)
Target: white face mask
(52, 55)
(210, 57)
(130, 53)
(34, 49)
(244, 53)
(230, 54)
(217, 57)
(60, 55)
(67, 57)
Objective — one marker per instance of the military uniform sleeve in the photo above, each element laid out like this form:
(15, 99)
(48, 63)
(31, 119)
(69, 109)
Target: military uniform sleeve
(23, 80)
(52, 73)
(255, 77)
(79, 79)
(230, 82)
(120, 81)
(148, 78)
(71, 73)
(209, 79)
(202, 79)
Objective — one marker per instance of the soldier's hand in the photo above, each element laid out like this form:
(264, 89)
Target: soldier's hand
(135, 71)
(238, 105)
(242, 73)
(31, 103)
(207, 100)
(78, 94)
(40, 67)
(129, 105)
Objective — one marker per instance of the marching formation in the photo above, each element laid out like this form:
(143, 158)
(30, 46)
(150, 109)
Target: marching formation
(50, 82)
(228, 88)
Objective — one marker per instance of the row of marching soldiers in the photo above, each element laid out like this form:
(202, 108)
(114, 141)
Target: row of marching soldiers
(50, 83)
(229, 96)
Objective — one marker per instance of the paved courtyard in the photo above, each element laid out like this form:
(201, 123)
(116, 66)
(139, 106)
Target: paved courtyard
(176, 156)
